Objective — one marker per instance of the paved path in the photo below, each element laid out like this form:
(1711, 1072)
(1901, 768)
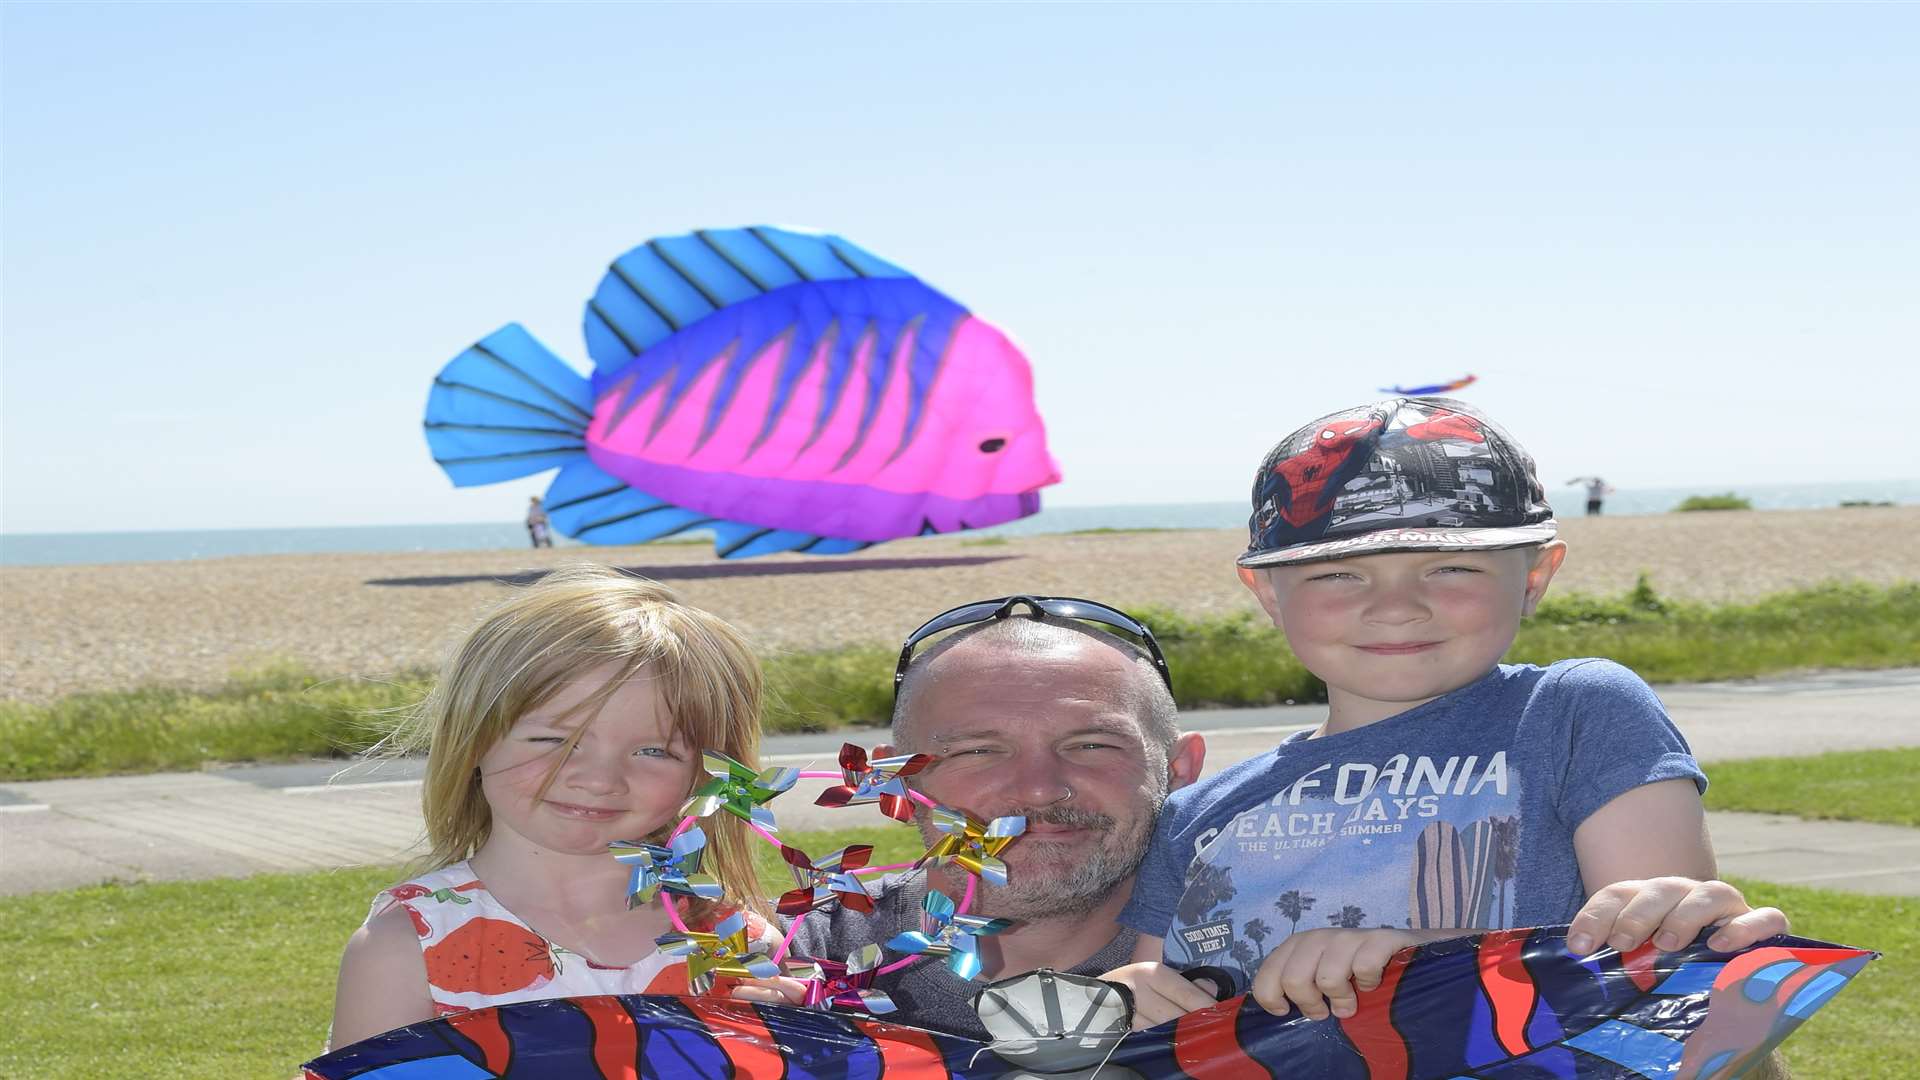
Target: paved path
(60, 834)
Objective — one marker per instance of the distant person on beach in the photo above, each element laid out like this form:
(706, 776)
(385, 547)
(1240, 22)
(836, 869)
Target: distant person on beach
(1060, 710)
(575, 714)
(537, 528)
(1597, 491)
(1398, 545)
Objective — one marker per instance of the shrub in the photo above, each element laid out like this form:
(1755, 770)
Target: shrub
(1728, 501)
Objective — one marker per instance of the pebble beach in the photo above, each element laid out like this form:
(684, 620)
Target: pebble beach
(109, 627)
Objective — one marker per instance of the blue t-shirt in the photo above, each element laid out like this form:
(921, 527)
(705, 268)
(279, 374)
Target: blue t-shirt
(1456, 813)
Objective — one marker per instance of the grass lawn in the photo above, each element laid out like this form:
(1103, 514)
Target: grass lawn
(235, 978)
(1864, 785)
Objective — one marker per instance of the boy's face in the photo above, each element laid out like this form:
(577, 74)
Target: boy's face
(1388, 632)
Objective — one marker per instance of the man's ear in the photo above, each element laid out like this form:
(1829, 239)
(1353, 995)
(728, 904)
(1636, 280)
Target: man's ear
(1260, 584)
(1545, 563)
(1189, 756)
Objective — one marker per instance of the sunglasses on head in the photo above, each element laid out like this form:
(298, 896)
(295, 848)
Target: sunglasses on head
(1059, 607)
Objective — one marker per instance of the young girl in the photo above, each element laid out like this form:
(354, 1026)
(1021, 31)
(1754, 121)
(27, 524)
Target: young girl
(575, 714)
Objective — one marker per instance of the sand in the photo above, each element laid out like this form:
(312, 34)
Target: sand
(71, 628)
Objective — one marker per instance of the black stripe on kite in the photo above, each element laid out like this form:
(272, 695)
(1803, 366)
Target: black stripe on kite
(607, 320)
(740, 267)
(775, 248)
(572, 425)
(616, 270)
(686, 275)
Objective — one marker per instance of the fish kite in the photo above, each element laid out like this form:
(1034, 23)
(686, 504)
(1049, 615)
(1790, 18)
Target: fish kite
(1511, 1003)
(788, 391)
(1429, 391)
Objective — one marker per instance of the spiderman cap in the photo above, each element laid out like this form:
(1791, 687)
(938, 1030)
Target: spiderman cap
(1405, 474)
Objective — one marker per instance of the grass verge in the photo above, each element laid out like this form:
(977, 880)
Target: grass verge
(1865, 785)
(1235, 660)
(235, 978)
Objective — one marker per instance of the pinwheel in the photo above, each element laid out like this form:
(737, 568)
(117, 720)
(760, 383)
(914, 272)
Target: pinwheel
(724, 951)
(787, 390)
(849, 986)
(943, 932)
(824, 881)
(738, 790)
(1431, 389)
(975, 846)
(675, 868)
(881, 780)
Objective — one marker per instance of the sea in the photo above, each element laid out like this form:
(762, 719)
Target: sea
(50, 549)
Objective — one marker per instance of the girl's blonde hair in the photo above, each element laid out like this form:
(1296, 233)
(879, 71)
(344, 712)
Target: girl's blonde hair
(522, 653)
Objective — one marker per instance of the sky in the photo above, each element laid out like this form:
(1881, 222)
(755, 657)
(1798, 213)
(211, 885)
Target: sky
(1678, 245)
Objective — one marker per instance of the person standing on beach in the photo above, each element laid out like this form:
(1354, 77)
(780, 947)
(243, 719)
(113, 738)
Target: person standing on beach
(538, 530)
(1597, 490)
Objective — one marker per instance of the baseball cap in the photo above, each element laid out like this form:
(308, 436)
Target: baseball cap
(1406, 474)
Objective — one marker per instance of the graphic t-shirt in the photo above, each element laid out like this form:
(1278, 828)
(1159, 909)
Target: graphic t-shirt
(1456, 813)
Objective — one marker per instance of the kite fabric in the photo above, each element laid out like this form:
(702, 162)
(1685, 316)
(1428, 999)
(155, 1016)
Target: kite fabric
(1502, 1006)
(789, 391)
(1431, 390)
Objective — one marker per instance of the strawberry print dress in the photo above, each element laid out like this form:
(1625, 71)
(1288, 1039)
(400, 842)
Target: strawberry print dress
(480, 954)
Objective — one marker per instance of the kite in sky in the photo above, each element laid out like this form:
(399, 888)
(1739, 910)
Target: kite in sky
(1429, 391)
(1505, 1005)
(788, 391)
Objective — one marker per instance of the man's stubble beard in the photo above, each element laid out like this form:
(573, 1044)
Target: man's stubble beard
(1035, 893)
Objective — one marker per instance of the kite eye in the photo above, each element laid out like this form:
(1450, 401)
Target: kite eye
(993, 446)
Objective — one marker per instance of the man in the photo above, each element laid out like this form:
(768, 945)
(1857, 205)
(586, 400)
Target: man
(1033, 714)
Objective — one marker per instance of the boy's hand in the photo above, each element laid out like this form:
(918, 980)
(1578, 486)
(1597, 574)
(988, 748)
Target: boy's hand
(778, 990)
(1672, 911)
(1324, 971)
(1160, 993)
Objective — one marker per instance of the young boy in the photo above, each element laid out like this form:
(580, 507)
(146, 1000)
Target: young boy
(1399, 545)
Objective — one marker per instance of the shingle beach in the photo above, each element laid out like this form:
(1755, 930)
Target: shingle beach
(71, 628)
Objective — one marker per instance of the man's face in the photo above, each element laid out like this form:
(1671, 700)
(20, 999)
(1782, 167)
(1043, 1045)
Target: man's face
(1014, 733)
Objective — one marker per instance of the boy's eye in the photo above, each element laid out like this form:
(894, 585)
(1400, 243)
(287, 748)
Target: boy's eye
(1335, 575)
(1459, 570)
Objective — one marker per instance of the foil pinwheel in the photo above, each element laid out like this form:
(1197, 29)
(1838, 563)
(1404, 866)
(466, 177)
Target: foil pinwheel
(725, 951)
(738, 790)
(973, 844)
(675, 868)
(881, 780)
(848, 986)
(829, 879)
(945, 932)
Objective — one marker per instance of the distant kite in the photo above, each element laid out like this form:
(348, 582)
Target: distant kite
(1429, 391)
(789, 391)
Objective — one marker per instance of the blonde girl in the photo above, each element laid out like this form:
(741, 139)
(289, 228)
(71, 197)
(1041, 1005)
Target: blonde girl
(573, 715)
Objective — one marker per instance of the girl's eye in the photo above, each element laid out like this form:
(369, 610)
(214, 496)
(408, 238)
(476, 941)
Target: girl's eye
(545, 738)
(653, 752)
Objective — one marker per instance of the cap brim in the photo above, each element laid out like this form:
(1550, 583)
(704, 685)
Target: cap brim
(1383, 540)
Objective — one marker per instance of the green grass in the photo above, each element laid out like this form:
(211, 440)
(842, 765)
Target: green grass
(1868, 785)
(235, 978)
(1871, 1031)
(1728, 501)
(1231, 660)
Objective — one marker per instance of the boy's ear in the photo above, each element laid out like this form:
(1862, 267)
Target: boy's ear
(1545, 563)
(1260, 584)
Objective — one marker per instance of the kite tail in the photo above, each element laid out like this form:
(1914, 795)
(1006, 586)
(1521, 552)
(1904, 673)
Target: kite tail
(506, 408)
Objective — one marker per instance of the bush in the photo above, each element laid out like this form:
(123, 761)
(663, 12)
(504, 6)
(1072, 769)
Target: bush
(1728, 501)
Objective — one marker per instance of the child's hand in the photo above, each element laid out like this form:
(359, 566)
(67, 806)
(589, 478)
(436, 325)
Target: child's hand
(778, 990)
(1160, 993)
(1322, 971)
(1672, 911)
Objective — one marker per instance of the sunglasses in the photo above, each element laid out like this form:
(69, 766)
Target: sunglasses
(1059, 607)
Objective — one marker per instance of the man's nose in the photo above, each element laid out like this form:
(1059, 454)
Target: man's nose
(1036, 780)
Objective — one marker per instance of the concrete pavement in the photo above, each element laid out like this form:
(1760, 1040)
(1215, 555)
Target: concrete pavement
(60, 834)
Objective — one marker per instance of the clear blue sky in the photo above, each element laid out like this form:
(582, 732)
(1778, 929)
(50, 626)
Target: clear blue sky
(1678, 244)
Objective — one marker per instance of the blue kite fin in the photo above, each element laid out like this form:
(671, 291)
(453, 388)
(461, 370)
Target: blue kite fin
(506, 408)
(664, 285)
(589, 504)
